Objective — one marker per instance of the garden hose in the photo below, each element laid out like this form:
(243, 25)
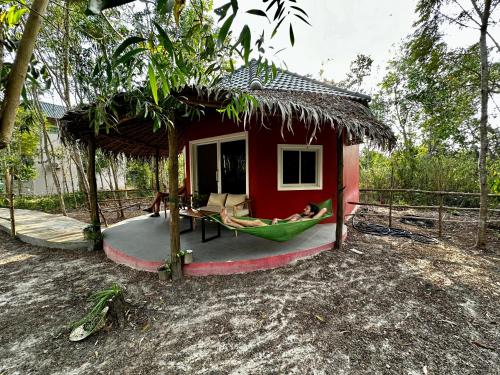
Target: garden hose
(381, 230)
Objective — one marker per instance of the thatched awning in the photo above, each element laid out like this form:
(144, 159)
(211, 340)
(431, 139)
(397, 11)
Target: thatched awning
(134, 136)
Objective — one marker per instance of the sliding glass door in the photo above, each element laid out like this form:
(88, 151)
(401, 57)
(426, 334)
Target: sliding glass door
(220, 165)
(233, 167)
(207, 168)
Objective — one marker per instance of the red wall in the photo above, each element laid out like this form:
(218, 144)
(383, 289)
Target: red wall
(263, 154)
(267, 201)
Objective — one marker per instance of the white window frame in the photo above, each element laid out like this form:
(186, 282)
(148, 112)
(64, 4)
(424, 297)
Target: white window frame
(319, 167)
(217, 140)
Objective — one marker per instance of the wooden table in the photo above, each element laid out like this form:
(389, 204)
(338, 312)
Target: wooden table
(193, 215)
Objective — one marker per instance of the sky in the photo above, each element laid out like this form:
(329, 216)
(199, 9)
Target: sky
(339, 31)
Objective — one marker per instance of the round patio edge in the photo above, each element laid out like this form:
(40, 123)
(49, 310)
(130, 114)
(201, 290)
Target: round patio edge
(219, 268)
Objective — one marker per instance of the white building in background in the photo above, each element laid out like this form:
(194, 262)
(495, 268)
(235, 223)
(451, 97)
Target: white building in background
(65, 169)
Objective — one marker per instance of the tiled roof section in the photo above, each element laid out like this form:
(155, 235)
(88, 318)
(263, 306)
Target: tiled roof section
(287, 81)
(53, 110)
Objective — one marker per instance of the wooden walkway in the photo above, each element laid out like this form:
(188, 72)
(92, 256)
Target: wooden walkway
(47, 230)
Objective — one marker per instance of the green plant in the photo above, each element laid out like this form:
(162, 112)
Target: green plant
(92, 232)
(100, 300)
(166, 267)
(181, 253)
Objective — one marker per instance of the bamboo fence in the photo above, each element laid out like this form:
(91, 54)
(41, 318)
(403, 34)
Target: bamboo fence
(441, 208)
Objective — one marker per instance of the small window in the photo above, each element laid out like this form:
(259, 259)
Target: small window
(300, 167)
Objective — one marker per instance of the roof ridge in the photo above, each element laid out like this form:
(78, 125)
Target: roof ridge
(247, 72)
(55, 105)
(329, 85)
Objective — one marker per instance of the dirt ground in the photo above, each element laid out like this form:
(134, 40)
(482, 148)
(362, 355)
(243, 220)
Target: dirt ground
(400, 307)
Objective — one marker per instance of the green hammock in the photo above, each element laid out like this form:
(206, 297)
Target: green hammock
(281, 231)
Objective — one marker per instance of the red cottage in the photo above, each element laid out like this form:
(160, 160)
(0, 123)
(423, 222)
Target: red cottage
(293, 138)
(281, 163)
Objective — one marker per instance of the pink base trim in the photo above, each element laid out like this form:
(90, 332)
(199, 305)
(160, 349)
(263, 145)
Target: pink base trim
(120, 257)
(218, 268)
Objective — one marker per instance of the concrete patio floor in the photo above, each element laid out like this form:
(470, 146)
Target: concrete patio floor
(143, 243)
(42, 229)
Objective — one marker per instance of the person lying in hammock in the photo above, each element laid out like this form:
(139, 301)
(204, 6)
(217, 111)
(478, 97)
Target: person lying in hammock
(311, 211)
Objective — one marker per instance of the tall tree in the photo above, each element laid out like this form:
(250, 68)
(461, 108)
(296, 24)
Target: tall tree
(18, 71)
(472, 14)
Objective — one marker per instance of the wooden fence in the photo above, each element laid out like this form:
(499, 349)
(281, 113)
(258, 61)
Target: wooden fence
(441, 208)
(120, 202)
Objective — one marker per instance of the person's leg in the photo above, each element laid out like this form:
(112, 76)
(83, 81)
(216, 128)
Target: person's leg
(248, 223)
(226, 220)
(160, 197)
(239, 223)
(155, 203)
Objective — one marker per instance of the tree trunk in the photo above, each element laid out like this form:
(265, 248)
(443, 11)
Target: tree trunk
(52, 162)
(173, 172)
(94, 207)
(115, 178)
(1, 45)
(64, 176)
(110, 182)
(84, 186)
(113, 188)
(157, 170)
(72, 182)
(340, 192)
(42, 160)
(17, 74)
(101, 179)
(483, 129)
(10, 196)
(67, 97)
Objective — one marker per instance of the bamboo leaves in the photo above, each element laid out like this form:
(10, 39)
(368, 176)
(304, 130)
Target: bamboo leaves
(152, 83)
(165, 40)
(258, 12)
(127, 57)
(126, 43)
(224, 30)
(245, 40)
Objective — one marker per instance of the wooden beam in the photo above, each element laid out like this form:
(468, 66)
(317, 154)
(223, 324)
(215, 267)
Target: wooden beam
(134, 144)
(435, 192)
(9, 190)
(420, 207)
(173, 186)
(340, 192)
(157, 170)
(94, 208)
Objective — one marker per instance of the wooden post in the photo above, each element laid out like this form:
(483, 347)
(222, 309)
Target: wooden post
(391, 196)
(94, 207)
(340, 192)
(173, 182)
(9, 189)
(157, 170)
(9, 193)
(440, 222)
(11, 208)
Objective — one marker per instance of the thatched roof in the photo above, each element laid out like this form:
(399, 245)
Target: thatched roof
(313, 103)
